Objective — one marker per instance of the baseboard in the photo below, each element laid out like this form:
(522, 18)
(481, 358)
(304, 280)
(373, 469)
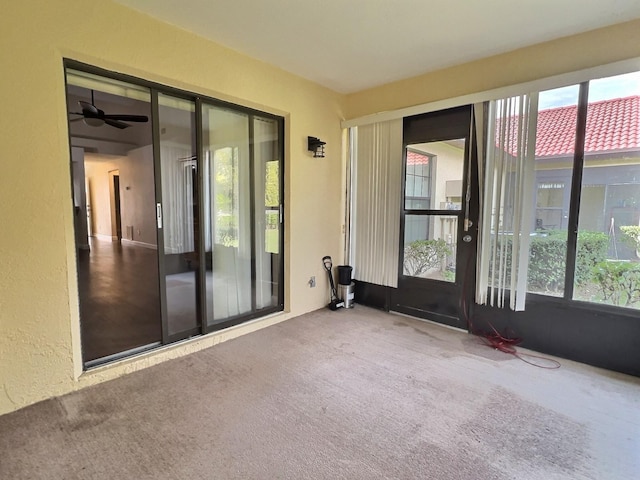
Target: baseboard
(102, 238)
(126, 241)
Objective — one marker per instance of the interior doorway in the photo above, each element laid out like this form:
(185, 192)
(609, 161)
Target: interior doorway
(116, 217)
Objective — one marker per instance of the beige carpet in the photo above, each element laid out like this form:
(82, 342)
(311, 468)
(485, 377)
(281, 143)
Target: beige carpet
(356, 394)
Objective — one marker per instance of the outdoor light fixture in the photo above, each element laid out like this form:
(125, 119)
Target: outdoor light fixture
(316, 146)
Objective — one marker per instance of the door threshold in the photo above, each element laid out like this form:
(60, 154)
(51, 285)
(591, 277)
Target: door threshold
(432, 322)
(120, 355)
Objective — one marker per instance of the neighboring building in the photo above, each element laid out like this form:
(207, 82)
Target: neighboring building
(611, 175)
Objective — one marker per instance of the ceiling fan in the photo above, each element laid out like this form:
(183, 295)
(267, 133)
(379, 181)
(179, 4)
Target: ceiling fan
(95, 117)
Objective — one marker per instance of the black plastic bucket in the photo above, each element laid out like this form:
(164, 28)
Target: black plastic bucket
(344, 274)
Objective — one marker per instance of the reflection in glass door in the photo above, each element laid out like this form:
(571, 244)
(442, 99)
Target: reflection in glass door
(241, 198)
(433, 184)
(227, 213)
(266, 166)
(178, 215)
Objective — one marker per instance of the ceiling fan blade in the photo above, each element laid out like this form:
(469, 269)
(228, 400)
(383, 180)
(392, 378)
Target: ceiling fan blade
(88, 108)
(128, 118)
(76, 119)
(116, 123)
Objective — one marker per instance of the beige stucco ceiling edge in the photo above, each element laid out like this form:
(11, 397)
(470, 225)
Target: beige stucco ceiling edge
(556, 81)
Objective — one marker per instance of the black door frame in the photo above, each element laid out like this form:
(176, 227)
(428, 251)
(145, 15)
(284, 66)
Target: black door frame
(440, 301)
(593, 333)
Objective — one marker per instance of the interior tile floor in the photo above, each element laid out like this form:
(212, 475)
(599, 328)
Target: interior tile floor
(119, 298)
(120, 307)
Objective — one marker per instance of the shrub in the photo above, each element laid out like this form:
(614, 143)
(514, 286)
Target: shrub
(547, 263)
(631, 236)
(547, 259)
(619, 282)
(592, 250)
(423, 255)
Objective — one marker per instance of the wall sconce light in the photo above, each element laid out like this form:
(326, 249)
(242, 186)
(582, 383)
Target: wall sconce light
(316, 146)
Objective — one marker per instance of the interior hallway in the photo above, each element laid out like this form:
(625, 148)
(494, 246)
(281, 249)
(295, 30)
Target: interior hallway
(119, 298)
(353, 394)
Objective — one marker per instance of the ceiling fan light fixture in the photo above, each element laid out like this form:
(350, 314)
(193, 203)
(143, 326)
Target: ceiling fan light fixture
(93, 122)
(94, 117)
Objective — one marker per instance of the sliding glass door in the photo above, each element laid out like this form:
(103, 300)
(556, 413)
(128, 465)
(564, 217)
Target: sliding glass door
(267, 168)
(241, 198)
(219, 210)
(228, 232)
(209, 173)
(219, 214)
(178, 214)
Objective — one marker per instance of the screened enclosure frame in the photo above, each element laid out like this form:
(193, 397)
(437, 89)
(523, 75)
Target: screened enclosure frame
(573, 218)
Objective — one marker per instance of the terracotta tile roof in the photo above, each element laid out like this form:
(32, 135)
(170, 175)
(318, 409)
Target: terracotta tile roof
(415, 158)
(611, 125)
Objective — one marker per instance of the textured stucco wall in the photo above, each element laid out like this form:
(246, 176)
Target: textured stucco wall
(39, 325)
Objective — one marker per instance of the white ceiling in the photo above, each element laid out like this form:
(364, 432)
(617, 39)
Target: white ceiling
(350, 45)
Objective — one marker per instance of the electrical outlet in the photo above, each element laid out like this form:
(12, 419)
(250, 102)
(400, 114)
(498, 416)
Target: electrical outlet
(312, 282)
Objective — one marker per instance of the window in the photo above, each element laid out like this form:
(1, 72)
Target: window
(554, 154)
(599, 261)
(225, 198)
(550, 206)
(607, 267)
(418, 182)
(430, 234)
(272, 206)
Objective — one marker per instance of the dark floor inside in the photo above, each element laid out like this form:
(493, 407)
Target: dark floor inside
(119, 298)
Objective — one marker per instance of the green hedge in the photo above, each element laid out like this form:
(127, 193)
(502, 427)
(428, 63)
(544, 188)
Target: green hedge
(619, 282)
(421, 256)
(547, 259)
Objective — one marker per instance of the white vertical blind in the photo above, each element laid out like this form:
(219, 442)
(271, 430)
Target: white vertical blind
(377, 185)
(503, 251)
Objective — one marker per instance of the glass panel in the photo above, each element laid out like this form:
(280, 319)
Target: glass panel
(555, 146)
(434, 173)
(267, 199)
(113, 197)
(227, 212)
(430, 246)
(180, 210)
(608, 257)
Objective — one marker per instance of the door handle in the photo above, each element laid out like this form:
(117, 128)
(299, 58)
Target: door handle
(159, 214)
